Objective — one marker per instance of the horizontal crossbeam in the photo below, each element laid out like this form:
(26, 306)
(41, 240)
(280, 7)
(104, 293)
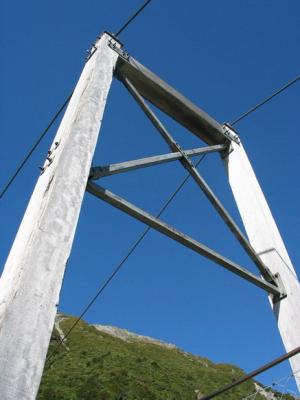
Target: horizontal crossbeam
(112, 169)
(178, 236)
(169, 100)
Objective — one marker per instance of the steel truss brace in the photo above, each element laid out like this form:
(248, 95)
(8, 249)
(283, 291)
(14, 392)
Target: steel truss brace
(112, 169)
(187, 163)
(180, 237)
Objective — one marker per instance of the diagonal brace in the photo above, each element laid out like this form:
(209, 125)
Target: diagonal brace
(187, 163)
(112, 169)
(180, 237)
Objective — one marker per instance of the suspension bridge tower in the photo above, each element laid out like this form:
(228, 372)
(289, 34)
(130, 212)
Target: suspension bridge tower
(32, 278)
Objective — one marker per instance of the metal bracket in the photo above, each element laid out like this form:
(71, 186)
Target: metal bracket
(230, 133)
(114, 43)
(121, 53)
(277, 281)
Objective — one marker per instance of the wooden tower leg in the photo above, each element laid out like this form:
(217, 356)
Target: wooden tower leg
(265, 238)
(32, 278)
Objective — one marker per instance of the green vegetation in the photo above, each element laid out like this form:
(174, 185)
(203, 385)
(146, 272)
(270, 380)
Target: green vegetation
(94, 365)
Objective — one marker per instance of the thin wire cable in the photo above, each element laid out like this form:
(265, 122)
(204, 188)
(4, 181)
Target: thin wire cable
(43, 134)
(264, 101)
(16, 173)
(274, 384)
(132, 18)
(41, 137)
(119, 266)
(252, 374)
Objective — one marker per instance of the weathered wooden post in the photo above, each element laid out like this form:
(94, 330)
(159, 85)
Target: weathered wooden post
(265, 238)
(32, 278)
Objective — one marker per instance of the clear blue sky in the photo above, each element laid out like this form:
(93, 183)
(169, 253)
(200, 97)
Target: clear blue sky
(225, 56)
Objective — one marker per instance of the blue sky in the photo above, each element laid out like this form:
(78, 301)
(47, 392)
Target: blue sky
(225, 56)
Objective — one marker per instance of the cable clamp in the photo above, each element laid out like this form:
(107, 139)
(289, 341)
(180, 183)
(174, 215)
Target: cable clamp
(230, 133)
(49, 157)
(90, 51)
(121, 53)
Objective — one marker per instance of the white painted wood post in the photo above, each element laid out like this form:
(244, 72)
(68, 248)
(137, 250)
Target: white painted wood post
(265, 238)
(32, 278)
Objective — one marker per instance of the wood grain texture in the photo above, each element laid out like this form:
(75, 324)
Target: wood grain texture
(265, 238)
(32, 278)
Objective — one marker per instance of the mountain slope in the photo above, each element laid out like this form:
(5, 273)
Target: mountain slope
(105, 363)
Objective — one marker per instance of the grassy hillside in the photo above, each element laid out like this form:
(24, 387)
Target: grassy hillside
(95, 365)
